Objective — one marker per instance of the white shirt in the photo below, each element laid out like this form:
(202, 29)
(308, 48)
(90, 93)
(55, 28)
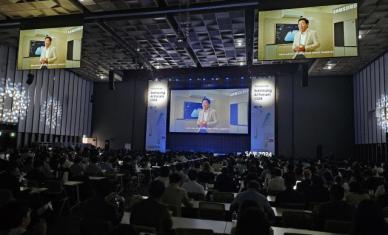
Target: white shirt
(205, 115)
(303, 38)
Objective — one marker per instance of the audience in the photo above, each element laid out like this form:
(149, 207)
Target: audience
(164, 176)
(276, 183)
(151, 212)
(335, 209)
(253, 221)
(356, 194)
(192, 186)
(289, 195)
(174, 195)
(252, 193)
(224, 182)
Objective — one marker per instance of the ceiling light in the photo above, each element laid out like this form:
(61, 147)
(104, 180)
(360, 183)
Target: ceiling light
(241, 63)
(157, 66)
(359, 36)
(138, 49)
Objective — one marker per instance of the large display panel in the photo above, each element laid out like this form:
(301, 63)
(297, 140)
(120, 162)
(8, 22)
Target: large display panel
(50, 48)
(209, 111)
(310, 32)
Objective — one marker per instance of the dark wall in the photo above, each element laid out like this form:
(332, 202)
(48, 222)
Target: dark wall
(120, 115)
(322, 113)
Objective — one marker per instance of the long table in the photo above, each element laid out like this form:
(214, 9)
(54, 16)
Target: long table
(223, 227)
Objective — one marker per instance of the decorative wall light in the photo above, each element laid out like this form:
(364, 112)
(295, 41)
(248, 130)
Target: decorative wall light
(51, 112)
(13, 102)
(382, 112)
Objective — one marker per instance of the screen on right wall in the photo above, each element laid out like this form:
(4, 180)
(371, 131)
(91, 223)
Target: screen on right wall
(310, 32)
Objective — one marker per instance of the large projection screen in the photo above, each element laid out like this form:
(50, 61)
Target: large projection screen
(50, 48)
(328, 31)
(209, 111)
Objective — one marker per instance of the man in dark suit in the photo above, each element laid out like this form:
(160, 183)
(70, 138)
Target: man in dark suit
(151, 212)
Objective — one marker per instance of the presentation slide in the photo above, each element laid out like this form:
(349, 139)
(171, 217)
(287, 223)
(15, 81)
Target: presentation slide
(209, 111)
(310, 32)
(50, 48)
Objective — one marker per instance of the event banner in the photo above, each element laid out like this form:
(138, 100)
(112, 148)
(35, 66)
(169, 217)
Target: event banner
(157, 116)
(263, 114)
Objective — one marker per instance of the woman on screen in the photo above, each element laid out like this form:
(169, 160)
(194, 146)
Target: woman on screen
(49, 53)
(207, 116)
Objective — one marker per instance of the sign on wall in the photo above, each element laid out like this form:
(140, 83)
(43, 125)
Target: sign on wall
(263, 114)
(156, 116)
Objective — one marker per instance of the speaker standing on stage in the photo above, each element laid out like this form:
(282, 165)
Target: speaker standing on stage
(207, 116)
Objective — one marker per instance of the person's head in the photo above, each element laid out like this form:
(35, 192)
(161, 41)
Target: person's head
(47, 41)
(192, 175)
(336, 193)
(164, 171)
(205, 103)
(368, 219)
(15, 214)
(156, 189)
(303, 24)
(175, 178)
(307, 174)
(253, 221)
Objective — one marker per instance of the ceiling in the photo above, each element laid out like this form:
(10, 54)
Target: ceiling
(211, 38)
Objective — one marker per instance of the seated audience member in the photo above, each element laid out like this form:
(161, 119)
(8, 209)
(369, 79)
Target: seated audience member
(93, 169)
(36, 176)
(289, 195)
(164, 176)
(252, 193)
(224, 182)
(9, 179)
(369, 219)
(276, 183)
(253, 221)
(356, 194)
(179, 170)
(105, 205)
(15, 219)
(317, 192)
(335, 209)
(77, 169)
(106, 166)
(151, 212)
(306, 183)
(175, 195)
(206, 175)
(192, 186)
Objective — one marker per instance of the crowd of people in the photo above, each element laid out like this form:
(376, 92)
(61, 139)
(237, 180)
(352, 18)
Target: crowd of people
(332, 190)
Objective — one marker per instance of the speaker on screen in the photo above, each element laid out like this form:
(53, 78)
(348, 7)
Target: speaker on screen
(111, 80)
(30, 78)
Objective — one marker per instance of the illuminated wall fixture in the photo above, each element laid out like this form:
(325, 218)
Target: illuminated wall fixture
(382, 112)
(51, 111)
(13, 102)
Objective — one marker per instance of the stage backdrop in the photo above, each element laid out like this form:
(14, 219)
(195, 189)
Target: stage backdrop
(263, 114)
(157, 116)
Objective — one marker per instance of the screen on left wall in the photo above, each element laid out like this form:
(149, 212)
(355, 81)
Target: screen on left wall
(50, 48)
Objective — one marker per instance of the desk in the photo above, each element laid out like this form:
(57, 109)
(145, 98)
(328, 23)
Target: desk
(279, 211)
(218, 227)
(33, 189)
(75, 184)
(97, 177)
(281, 231)
(196, 205)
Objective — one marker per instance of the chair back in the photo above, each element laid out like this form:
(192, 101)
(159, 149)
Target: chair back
(297, 219)
(223, 197)
(95, 226)
(188, 231)
(338, 226)
(144, 230)
(196, 196)
(211, 210)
